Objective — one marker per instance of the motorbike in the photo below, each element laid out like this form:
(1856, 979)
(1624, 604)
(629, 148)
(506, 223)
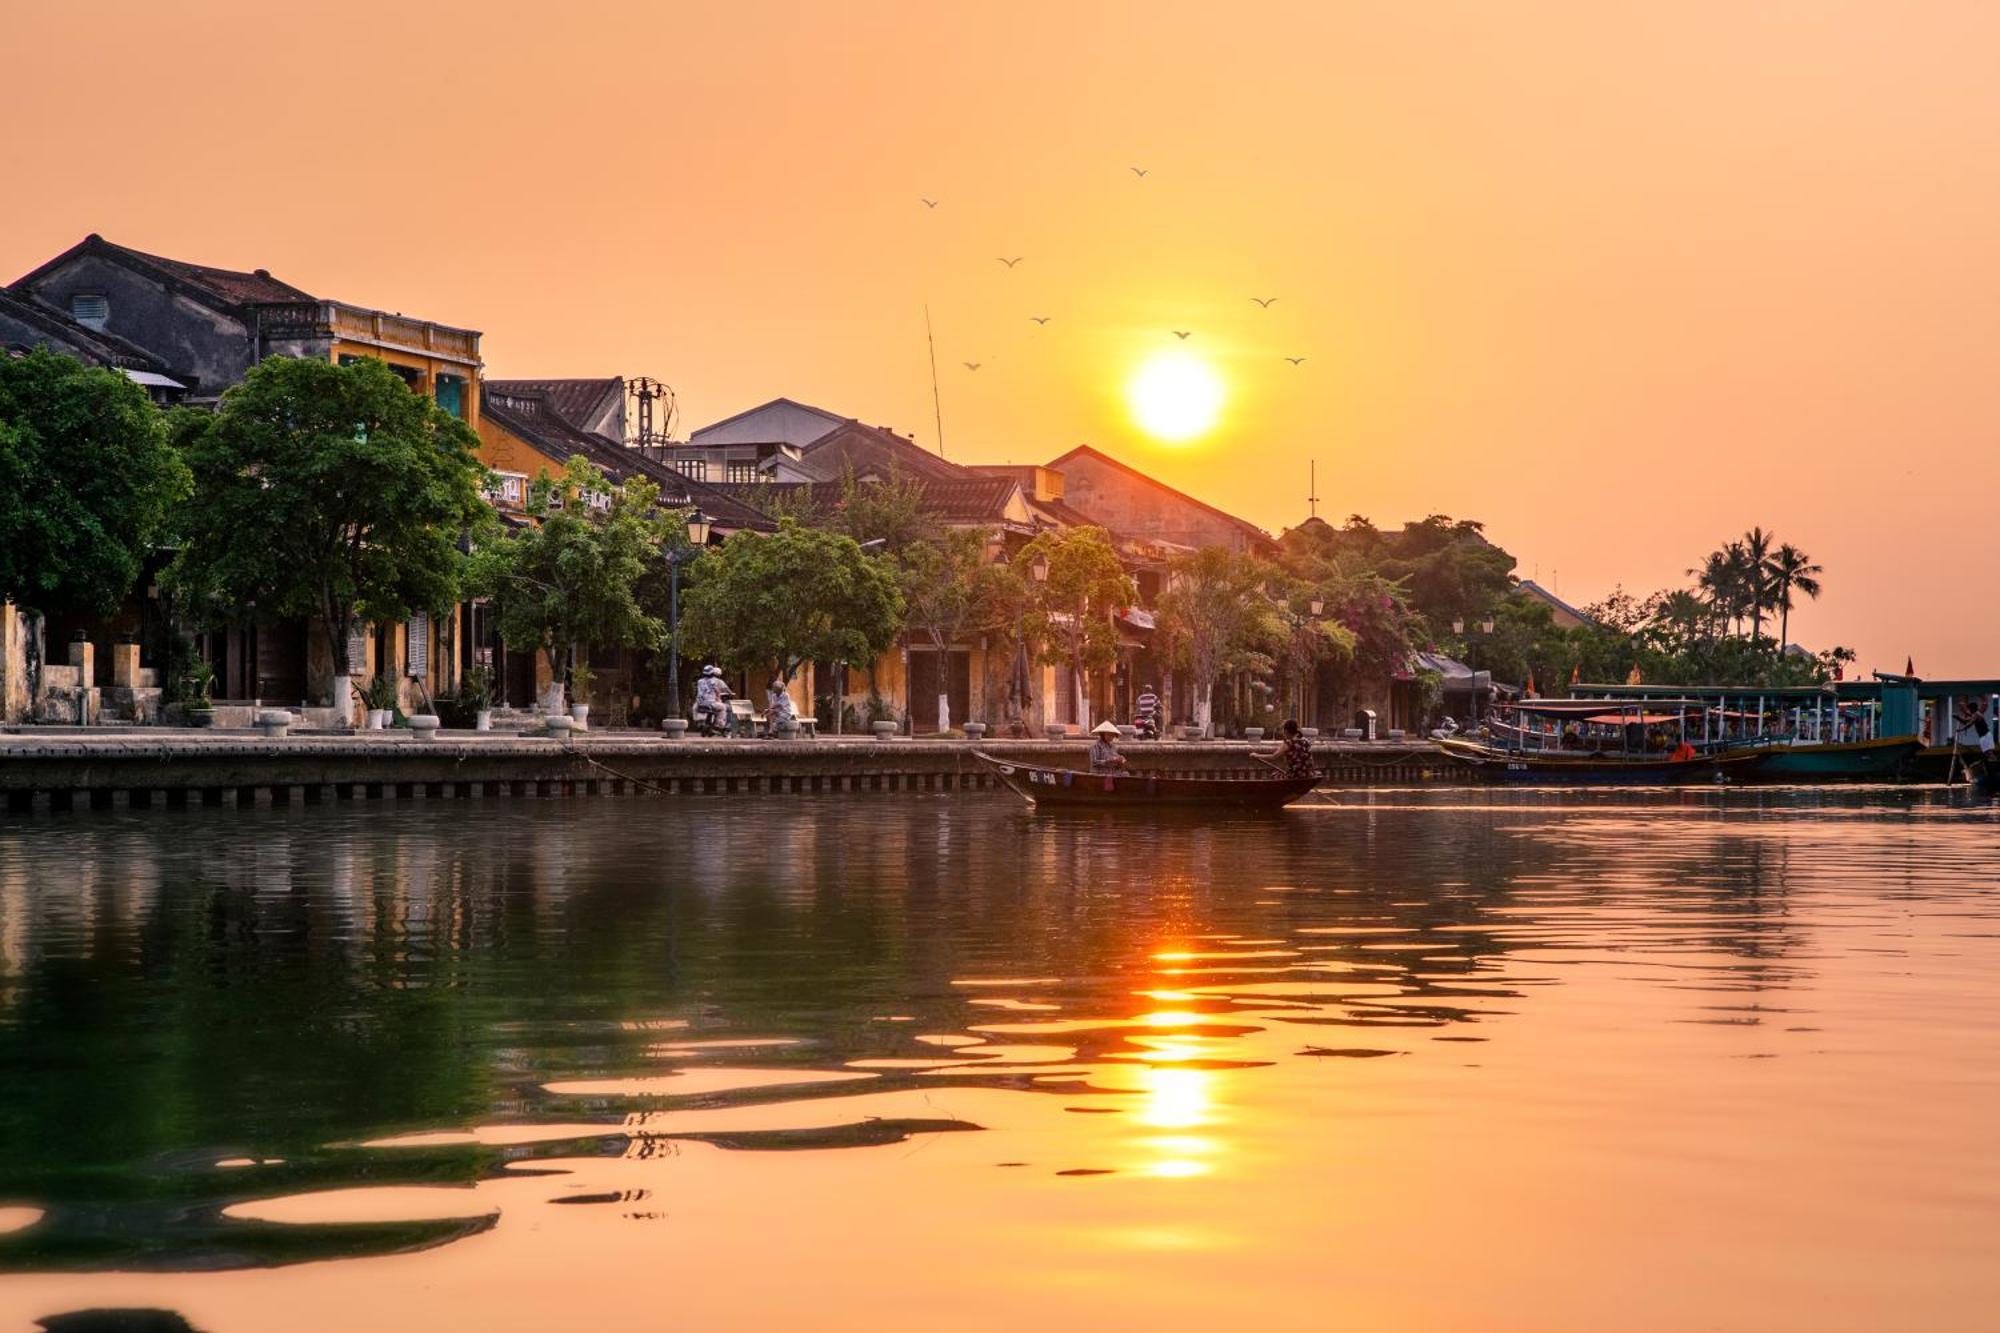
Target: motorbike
(1148, 726)
(712, 719)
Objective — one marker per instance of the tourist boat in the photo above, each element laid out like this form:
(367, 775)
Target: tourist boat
(1596, 741)
(1134, 790)
(1881, 759)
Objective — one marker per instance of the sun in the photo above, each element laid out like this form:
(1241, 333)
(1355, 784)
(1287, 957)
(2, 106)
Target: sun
(1175, 396)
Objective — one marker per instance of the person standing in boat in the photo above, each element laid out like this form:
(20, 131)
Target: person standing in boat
(1975, 733)
(1104, 756)
(1294, 753)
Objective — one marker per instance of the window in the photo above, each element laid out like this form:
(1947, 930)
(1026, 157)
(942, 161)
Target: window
(740, 472)
(694, 469)
(598, 500)
(417, 645)
(451, 394)
(90, 309)
(507, 488)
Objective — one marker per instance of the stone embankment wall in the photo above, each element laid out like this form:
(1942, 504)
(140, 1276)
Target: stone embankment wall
(60, 771)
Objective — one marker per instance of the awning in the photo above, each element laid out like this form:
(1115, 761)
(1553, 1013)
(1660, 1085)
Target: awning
(151, 379)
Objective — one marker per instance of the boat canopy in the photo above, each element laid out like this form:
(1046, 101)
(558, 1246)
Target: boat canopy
(1610, 710)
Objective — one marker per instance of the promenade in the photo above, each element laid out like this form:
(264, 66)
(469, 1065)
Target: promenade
(58, 769)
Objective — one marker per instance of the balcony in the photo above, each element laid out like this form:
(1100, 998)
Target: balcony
(372, 328)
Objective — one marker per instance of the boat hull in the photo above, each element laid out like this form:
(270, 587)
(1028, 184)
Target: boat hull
(1882, 760)
(1551, 769)
(1142, 791)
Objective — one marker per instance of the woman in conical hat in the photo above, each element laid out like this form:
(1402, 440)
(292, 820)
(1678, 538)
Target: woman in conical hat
(1104, 756)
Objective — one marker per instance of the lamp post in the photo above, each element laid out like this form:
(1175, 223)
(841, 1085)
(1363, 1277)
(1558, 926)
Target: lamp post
(698, 528)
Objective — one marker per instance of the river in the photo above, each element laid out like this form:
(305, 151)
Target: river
(1423, 1060)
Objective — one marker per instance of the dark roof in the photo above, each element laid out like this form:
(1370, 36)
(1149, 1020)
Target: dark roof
(1085, 450)
(1059, 511)
(977, 500)
(774, 402)
(853, 447)
(531, 415)
(231, 287)
(1538, 592)
(575, 401)
(95, 345)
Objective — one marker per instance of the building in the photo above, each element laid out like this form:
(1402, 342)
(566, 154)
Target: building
(1565, 615)
(1119, 497)
(200, 329)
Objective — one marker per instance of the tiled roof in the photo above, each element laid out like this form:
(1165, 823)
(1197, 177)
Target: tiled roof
(532, 416)
(751, 411)
(964, 501)
(575, 401)
(227, 285)
(853, 447)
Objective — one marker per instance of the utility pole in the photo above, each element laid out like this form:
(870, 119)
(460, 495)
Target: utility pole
(1312, 488)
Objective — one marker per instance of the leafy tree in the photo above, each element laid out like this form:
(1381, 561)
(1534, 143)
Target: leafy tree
(1070, 613)
(1214, 618)
(952, 590)
(573, 577)
(890, 510)
(331, 492)
(1792, 571)
(790, 597)
(87, 483)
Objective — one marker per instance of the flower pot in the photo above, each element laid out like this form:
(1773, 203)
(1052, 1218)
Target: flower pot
(424, 726)
(883, 730)
(1253, 733)
(975, 731)
(201, 717)
(378, 718)
(580, 714)
(556, 724)
(1190, 733)
(674, 727)
(788, 731)
(483, 720)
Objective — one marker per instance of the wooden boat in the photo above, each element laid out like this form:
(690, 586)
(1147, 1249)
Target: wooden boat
(1501, 764)
(1142, 790)
(1882, 759)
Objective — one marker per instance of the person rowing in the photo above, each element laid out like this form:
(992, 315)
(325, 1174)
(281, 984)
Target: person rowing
(1294, 753)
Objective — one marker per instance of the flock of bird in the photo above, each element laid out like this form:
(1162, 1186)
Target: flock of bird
(1264, 302)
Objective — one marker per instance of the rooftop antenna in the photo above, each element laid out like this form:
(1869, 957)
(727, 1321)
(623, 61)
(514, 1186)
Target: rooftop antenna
(1312, 488)
(937, 406)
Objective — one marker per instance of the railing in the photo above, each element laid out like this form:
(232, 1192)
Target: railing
(376, 327)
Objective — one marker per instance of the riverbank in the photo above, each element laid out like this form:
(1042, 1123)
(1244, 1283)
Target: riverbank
(61, 769)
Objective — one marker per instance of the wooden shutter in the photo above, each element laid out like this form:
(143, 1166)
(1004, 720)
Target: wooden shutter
(419, 645)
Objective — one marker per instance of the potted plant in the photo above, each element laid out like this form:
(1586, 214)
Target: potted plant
(380, 697)
(476, 693)
(581, 678)
(199, 708)
(881, 718)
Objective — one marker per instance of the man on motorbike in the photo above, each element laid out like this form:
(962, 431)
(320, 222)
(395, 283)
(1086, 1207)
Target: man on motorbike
(711, 702)
(1146, 714)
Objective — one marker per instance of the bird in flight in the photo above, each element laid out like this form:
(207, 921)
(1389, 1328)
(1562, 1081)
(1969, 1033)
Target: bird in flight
(1011, 262)
(1265, 301)
(1140, 172)
(1181, 335)
(929, 203)
(972, 365)
(1039, 319)
(1295, 360)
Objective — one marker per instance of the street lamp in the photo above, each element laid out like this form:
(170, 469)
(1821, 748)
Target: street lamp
(698, 528)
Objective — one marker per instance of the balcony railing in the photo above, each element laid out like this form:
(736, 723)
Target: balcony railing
(376, 328)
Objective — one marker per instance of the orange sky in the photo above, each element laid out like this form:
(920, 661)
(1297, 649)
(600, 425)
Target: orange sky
(1619, 279)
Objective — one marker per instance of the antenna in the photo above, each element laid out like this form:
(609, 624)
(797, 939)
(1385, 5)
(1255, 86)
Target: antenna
(1312, 488)
(937, 406)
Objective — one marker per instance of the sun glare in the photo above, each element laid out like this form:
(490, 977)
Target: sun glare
(1175, 396)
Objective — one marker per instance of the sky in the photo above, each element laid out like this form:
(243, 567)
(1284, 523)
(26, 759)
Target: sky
(1620, 280)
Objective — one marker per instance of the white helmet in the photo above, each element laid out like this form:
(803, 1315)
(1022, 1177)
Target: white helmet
(711, 670)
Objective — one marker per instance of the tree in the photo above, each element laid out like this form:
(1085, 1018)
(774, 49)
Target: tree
(889, 510)
(1070, 613)
(88, 481)
(330, 492)
(1792, 571)
(952, 590)
(573, 577)
(1756, 574)
(790, 597)
(1215, 617)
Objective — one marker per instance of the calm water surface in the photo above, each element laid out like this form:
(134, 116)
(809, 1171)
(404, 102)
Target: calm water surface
(1442, 1060)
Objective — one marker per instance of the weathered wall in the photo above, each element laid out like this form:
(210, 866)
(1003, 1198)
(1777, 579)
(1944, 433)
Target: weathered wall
(1131, 508)
(208, 350)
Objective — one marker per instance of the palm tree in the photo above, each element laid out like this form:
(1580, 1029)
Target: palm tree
(1756, 549)
(1792, 570)
(1716, 580)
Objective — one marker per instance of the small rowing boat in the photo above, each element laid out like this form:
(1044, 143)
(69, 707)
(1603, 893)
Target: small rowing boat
(1132, 790)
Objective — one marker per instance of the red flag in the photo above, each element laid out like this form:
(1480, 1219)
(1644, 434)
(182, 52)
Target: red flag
(1530, 690)
(1576, 673)
(1909, 666)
